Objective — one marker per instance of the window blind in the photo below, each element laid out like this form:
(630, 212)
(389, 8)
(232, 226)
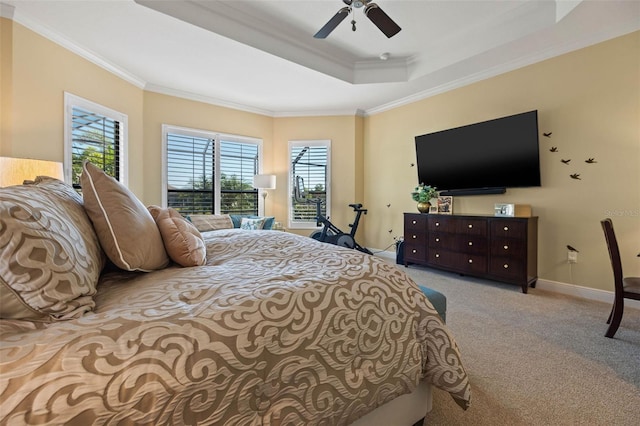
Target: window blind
(310, 163)
(191, 172)
(96, 138)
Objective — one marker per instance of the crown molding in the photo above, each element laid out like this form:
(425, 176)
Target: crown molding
(7, 11)
(505, 67)
(87, 54)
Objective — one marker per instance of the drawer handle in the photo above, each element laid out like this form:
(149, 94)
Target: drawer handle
(413, 222)
(414, 237)
(437, 240)
(470, 226)
(437, 223)
(470, 243)
(506, 228)
(505, 266)
(437, 254)
(470, 260)
(414, 251)
(506, 247)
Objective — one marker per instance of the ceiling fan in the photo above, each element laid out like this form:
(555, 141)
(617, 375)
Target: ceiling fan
(371, 11)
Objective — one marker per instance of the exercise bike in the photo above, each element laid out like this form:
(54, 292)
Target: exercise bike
(330, 233)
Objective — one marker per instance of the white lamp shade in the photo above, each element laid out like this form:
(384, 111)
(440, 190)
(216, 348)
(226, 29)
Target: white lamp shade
(264, 181)
(14, 171)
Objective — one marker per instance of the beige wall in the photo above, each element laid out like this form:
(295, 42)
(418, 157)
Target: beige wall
(590, 100)
(6, 84)
(162, 109)
(41, 72)
(346, 184)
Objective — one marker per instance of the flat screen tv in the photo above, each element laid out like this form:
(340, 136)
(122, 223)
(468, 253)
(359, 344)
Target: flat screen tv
(481, 158)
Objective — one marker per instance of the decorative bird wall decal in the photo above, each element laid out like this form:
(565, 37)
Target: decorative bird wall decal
(590, 161)
(412, 165)
(572, 249)
(575, 176)
(554, 149)
(390, 230)
(566, 161)
(388, 205)
(548, 135)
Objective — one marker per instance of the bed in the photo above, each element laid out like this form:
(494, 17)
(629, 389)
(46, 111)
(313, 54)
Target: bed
(271, 329)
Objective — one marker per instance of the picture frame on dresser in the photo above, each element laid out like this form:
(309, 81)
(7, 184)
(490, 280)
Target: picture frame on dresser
(445, 204)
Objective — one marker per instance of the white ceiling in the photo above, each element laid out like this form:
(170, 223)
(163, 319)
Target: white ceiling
(260, 55)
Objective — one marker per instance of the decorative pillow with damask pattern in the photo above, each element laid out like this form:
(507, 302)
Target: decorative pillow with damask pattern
(50, 256)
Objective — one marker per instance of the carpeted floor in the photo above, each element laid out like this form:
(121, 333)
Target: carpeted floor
(536, 359)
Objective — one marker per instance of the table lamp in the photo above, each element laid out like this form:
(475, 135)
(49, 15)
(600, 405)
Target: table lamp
(14, 171)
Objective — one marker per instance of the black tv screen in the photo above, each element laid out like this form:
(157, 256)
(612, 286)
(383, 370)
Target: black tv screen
(485, 157)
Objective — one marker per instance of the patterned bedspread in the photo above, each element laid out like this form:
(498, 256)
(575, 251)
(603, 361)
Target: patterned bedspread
(276, 329)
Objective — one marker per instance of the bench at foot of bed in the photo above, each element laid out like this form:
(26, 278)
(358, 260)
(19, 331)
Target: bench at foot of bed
(437, 299)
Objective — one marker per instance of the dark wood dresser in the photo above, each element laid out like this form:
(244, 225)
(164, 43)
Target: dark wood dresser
(498, 248)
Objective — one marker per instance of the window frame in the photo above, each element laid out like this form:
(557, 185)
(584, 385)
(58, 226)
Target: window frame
(71, 101)
(301, 143)
(217, 137)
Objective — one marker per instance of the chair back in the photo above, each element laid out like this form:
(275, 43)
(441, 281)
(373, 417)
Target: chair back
(614, 253)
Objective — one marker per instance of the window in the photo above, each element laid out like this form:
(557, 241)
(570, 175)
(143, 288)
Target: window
(309, 160)
(207, 172)
(95, 133)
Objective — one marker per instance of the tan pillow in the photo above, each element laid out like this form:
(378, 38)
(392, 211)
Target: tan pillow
(50, 256)
(182, 240)
(127, 232)
(211, 222)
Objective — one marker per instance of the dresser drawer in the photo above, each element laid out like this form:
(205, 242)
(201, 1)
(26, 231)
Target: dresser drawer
(415, 222)
(415, 252)
(471, 263)
(470, 244)
(508, 247)
(441, 223)
(507, 268)
(469, 226)
(443, 258)
(508, 229)
(442, 241)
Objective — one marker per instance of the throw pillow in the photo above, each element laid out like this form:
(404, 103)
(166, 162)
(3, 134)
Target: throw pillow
(50, 256)
(268, 220)
(182, 240)
(251, 224)
(211, 222)
(127, 232)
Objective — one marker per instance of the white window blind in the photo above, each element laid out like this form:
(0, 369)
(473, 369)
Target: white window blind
(190, 174)
(310, 161)
(238, 165)
(94, 133)
(210, 173)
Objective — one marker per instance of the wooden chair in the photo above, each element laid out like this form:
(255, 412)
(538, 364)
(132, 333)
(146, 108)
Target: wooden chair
(625, 287)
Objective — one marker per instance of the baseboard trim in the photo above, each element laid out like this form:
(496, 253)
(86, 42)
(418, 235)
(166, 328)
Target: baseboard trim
(556, 287)
(583, 292)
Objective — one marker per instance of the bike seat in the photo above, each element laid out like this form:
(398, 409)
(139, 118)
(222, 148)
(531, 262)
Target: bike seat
(356, 206)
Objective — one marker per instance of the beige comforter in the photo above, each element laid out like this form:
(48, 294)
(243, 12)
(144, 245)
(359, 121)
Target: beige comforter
(276, 329)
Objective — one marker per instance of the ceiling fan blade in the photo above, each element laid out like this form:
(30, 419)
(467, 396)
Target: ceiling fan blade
(381, 20)
(333, 23)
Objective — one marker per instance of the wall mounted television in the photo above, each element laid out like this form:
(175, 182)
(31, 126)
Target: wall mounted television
(481, 158)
